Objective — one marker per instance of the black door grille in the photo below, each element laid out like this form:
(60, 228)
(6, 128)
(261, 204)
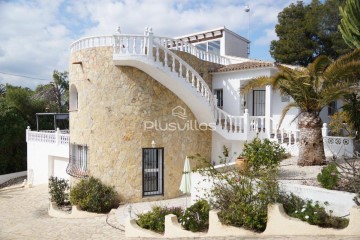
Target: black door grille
(153, 171)
(259, 103)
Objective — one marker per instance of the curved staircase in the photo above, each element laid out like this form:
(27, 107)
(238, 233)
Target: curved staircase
(153, 55)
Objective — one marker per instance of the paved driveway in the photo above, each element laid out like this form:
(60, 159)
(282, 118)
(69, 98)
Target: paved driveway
(23, 215)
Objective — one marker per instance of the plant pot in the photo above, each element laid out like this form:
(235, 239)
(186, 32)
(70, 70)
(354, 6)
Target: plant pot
(241, 164)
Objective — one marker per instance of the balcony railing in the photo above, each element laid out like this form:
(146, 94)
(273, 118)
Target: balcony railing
(58, 137)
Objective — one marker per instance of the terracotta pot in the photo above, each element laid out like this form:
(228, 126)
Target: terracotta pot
(241, 164)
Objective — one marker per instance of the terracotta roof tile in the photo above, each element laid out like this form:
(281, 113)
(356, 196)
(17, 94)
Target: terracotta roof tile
(244, 66)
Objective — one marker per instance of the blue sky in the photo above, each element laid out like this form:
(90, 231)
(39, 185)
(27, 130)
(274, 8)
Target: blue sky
(35, 35)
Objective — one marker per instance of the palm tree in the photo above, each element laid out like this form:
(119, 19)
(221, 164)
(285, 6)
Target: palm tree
(313, 88)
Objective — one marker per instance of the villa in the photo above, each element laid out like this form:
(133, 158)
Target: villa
(139, 104)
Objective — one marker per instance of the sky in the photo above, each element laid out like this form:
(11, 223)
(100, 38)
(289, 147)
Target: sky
(35, 35)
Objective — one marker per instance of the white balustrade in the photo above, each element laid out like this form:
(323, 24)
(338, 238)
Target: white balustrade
(48, 136)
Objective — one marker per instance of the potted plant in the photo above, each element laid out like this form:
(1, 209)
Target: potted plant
(241, 163)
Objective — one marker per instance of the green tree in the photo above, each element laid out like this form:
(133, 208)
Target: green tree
(307, 31)
(12, 139)
(313, 88)
(350, 23)
(22, 99)
(56, 93)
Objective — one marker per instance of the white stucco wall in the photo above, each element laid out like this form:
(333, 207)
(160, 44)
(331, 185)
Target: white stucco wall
(235, 148)
(234, 46)
(45, 160)
(231, 82)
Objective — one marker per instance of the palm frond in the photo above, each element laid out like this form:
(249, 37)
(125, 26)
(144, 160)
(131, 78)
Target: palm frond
(285, 110)
(349, 71)
(346, 58)
(255, 83)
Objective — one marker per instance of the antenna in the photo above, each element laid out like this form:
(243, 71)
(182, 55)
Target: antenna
(247, 10)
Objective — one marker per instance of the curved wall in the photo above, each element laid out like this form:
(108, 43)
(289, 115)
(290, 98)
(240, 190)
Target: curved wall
(114, 104)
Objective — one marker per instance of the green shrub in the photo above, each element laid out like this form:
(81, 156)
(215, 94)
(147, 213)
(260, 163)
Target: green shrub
(155, 219)
(263, 154)
(329, 176)
(314, 214)
(196, 217)
(93, 196)
(58, 188)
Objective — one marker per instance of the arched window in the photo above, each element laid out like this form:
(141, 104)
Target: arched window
(73, 103)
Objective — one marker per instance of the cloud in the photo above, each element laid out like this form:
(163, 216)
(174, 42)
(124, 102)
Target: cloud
(36, 34)
(266, 38)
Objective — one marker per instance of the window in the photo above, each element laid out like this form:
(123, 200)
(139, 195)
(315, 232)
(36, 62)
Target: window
(211, 47)
(219, 95)
(73, 104)
(77, 166)
(153, 171)
(332, 108)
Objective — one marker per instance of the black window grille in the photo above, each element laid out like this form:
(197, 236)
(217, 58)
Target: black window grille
(153, 171)
(219, 95)
(77, 166)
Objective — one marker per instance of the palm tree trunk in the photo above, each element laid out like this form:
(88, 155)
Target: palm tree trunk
(311, 145)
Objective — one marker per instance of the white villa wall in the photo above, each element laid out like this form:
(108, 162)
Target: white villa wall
(231, 82)
(234, 147)
(234, 46)
(45, 159)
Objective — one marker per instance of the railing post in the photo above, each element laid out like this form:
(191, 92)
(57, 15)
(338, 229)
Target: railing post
(27, 133)
(150, 43)
(268, 111)
(246, 124)
(324, 130)
(57, 136)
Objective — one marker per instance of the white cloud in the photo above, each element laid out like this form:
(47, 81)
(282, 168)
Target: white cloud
(36, 35)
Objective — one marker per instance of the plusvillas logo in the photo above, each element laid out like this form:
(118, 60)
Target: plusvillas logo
(183, 125)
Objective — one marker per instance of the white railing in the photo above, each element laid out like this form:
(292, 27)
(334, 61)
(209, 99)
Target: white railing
(90, 42)
(135, 44)
(55, 137)
(179, 45)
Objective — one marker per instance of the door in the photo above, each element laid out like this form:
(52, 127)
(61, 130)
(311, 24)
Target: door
(259, 103)
(153, 171)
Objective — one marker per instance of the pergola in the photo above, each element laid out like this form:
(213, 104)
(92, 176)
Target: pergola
(56, 116)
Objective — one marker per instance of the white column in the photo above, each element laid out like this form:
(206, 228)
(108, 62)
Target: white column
(268, 90)
(324, 130)
(246, 124)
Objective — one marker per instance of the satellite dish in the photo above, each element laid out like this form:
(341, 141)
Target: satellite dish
(247, 9)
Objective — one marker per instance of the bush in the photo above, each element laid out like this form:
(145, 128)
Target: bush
(242, 197)
(58, 188)
(329, 176)
(93, 196)
(155, 219)
(314, 214)
(263, 154)
(196, 217)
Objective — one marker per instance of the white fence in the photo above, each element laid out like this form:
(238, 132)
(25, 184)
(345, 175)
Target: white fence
(333, 145)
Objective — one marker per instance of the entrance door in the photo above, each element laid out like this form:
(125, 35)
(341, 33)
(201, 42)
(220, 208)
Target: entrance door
(259, 103)
(153, 171)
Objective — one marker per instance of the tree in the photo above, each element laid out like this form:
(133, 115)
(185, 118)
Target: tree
(313, 88)
(350, 23)
(12, 140)
(22, 99)
(56, 93)
(307, 31)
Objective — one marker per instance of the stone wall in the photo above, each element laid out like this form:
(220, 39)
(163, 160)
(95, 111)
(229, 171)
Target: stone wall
(113, 104)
